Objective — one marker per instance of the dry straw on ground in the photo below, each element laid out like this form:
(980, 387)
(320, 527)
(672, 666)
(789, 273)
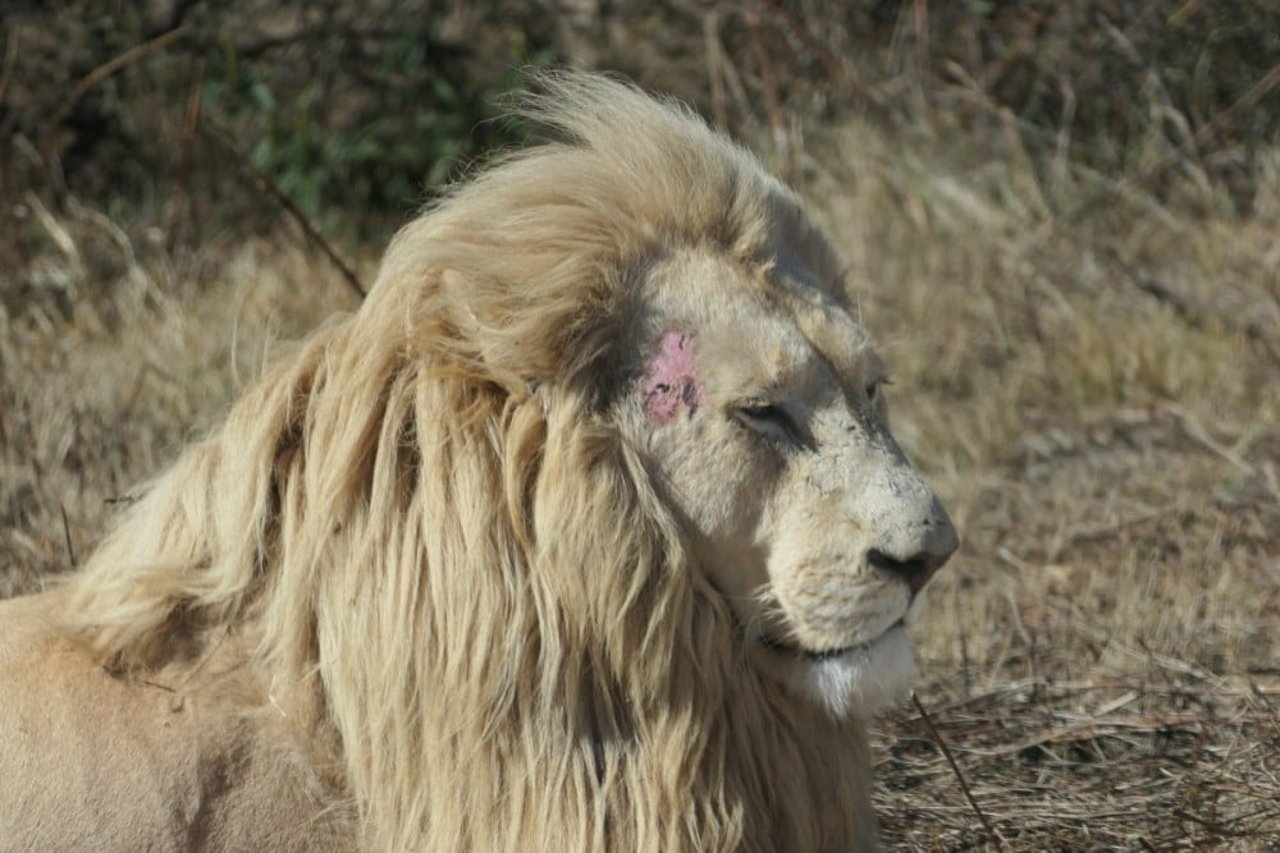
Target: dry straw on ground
(1096, 398)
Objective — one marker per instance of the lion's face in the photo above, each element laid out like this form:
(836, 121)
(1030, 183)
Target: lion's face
(762, 409)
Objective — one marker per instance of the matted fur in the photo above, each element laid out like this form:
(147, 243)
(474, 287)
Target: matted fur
(459, 585)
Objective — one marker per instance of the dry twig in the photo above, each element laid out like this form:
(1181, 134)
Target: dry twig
(964, 786)
(10, 57)
(66, 532)
(111, 66)
(267, 186)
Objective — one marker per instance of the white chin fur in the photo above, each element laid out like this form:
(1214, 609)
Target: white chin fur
(860, 683)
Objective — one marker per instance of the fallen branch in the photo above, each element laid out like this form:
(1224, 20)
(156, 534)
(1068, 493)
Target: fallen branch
(1113, 727)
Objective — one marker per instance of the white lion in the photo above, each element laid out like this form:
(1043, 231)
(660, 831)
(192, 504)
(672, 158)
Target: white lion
(586, 531)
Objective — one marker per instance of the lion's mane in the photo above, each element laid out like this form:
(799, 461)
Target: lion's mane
(455, 576)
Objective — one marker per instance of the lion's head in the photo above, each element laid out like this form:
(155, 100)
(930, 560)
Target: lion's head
(587, 528)
(760, 407)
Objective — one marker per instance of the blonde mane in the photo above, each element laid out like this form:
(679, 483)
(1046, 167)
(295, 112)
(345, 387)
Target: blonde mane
(454, 575)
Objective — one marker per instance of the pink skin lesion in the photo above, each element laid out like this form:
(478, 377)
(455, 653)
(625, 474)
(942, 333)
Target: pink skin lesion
(669, 383)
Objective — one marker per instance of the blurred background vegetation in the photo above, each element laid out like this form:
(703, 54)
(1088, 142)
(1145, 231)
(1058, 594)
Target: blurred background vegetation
(1061, 221)
(355, 110)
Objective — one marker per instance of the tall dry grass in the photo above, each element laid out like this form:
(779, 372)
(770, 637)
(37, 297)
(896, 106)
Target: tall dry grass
(110, 362)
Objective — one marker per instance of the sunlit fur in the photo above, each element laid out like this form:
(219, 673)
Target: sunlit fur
(458, 582)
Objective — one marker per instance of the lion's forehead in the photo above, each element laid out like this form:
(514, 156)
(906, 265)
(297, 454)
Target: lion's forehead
(777, 328)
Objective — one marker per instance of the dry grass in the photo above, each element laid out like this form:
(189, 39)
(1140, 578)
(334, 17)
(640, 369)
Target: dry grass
(1099, 402)
(112, 359)
(1095, 395)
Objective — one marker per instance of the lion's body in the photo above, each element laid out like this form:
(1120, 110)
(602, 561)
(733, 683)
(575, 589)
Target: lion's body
(474, 567)
(95, 762)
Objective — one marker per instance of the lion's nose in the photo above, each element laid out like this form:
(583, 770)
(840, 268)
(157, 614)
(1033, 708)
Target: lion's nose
(914, 536)
(916, 570)
(920, 566)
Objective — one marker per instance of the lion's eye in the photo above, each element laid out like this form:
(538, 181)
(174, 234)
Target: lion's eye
(768, 419)
(873, 388)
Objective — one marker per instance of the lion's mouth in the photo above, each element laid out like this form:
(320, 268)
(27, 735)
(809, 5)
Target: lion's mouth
(779, 647)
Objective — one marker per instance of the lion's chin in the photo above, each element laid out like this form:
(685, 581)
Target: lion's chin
(857, 682)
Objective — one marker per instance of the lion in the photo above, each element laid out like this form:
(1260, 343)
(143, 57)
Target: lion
(586, 531)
